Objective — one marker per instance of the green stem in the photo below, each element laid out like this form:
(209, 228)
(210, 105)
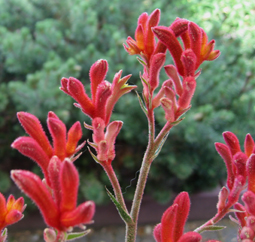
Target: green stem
(115, 184)
(144, 171)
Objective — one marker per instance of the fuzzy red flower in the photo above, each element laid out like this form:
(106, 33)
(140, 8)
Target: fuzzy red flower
(38, 147)
(104, 95)
(57, 203)
(10, 210)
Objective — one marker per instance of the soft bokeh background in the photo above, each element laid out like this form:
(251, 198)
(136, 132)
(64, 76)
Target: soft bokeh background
(42, 41)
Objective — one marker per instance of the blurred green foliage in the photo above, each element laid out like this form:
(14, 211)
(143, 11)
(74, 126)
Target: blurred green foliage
(41, 41)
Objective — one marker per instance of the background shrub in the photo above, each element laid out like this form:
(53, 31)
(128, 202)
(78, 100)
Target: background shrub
(41, 41)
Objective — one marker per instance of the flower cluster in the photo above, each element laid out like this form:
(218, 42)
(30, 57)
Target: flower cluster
(173, 220)
(240, 168)
(10, 213)
(104, 96)
(196, 49)
(56, 195)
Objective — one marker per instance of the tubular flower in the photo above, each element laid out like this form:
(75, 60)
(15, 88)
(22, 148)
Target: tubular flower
(104, 141)
(10, 211)
(37, 146)
(57, 203)
(104, 95)
(173, 221)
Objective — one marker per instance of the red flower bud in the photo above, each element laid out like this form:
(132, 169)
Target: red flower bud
(249, 200)
(232, 142)
(241, 216)
(190, 237)
(248, 145)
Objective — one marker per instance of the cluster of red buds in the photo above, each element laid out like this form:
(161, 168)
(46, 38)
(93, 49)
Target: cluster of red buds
(196, 49)
(240, 170)
(171, 228)
(104, 96)
(10, 213)
(56, 195)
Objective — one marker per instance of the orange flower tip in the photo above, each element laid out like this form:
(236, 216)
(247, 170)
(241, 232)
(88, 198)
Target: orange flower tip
(213, 55)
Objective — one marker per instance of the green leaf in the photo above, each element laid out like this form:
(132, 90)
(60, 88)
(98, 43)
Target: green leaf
(214, 228)
(141, 61)
(141, 104)
(124, 215)
(93, 156)
(73, 236)
(160, 146)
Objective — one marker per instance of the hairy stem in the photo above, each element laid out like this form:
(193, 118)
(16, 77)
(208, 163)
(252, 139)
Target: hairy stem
(115, 184)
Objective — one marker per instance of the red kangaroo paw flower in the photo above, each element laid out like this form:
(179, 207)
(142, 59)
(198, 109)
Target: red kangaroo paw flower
(11, 211)
(33, 127)
(58, 132)
(189, 59)
(189, 86)
(69, 182)
(102, 95)
(248, 145)
(167, 37)
(239, 160)
(170, 93)
(195, 34)
(236, 190)
(54, 171)
(249, 200)
(157, 233)
(232, 142)
(74, 135)
(168, 223)
(152, 21)
(225, 154)
(80, 215)
(179, 26)
(97, 74)
(168, 107)
(250, 168)
(190, 237)
(182, 213)
(157, 62)
(112, 131)
(222, 198)
(119, 88)
(33, 187)
(98, 130)
(241, 216)
(29, 147)
(172, 73)
(77, 91)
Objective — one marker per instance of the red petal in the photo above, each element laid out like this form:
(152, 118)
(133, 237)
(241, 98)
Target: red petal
(157, 62)
(183, 202)
(98, 130)
(54, 171)
(76, 89)
(190, 237)
(189, 86)
(172, 73)
(232, 142)
(248, 145)
(157, 233)
(97, 74)
(58, 132)
(32, 185)
(189, 59)
(167, 37)
(241, 216)
(33, 127)
(29, 147)
(168, 223)
(225, 154)
(102, 94)
(249, 200)
(69, 182)
(74, 135)
(239, 160)
(179, 26)
(81, 215)
(250, 167)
